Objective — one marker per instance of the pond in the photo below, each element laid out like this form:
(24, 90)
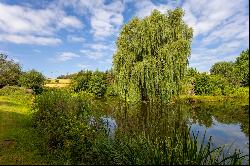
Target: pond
(226, 122)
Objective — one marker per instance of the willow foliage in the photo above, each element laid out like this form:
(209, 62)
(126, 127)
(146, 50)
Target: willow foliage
(152, 56)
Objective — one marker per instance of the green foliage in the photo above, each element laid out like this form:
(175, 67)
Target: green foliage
(227, 70)
(10, 71)
(242, 67)
(152, 56)
(223, 68)
(33, 80)
(97, 84)
(61, 119)
(81, 81)
(111, 91)
(188, 81)
(202, 84)
(209, 84)
(241, 92)
(180, 149)
(93, 82)
(236, 73)
(17, 94)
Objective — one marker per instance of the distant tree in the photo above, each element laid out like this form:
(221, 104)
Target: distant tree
(152, 56)
(242, 67)
(223, 68)
(10, 71)
(33, 80)
(227, 70)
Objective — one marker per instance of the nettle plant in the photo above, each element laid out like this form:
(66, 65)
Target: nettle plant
(152, 56)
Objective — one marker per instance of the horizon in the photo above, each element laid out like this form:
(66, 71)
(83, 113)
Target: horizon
(63, 37)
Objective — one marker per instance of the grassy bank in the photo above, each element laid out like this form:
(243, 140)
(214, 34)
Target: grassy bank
(18, 140)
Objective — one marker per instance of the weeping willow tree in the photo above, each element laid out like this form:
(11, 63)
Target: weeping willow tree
(152, 56)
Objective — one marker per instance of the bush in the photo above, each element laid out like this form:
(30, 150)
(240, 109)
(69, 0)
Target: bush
(61, 118)
(97, 85)
(93, 82)
(210, 84)
(202, 85)
(33, 80)
(81, 81)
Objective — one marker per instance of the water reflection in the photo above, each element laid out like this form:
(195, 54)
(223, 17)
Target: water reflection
(226, 122)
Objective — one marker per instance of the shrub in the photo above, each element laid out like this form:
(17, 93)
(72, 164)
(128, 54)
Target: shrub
(61, 118)
(81, 81)
(97, 85)
(202, 84)
(33, 80)
(210, 84)
(93, 82)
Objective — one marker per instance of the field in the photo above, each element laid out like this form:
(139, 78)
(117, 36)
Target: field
(58, 83)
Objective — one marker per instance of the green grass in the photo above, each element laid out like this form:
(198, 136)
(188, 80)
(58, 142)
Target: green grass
(18, 141)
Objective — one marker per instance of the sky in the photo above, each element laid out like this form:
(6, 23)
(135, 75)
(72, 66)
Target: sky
(59, 37)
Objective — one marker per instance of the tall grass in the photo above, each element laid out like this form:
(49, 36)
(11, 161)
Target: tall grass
(180, 149)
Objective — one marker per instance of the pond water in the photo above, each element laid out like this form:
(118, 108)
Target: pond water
(226, 122)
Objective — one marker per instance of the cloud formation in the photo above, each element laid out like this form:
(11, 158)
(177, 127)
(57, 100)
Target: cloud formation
(65, 56)
(26, 25)
(105, 18)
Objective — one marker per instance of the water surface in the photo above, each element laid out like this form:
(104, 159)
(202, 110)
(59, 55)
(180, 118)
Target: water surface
(226, 122)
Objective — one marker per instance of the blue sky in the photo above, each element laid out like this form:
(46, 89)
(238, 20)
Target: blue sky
(64, 36)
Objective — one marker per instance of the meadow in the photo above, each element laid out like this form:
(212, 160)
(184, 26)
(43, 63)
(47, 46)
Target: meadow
(58, 83)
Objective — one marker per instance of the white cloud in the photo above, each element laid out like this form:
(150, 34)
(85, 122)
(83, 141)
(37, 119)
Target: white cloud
(94, 55)
(65, 56)
(83, 66)
(206, 15)
(71, 38)
(221, 29)
(34, 26)
(105, 18)
(96, 51)
(107, 61)
(144, 8)
(29, 39)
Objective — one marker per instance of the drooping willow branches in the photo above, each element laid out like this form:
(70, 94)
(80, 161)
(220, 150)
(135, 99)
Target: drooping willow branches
(152, 56)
